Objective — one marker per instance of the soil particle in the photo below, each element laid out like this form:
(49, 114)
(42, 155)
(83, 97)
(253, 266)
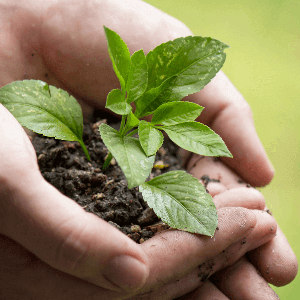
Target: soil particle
(244, 241)
(269, 212)
(103, 193)
(206, 180)
(206, 269)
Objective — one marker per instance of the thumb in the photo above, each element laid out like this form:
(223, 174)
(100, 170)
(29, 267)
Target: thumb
(62, 234)
(54, 227)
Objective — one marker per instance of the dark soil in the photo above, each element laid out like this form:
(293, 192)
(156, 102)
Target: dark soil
(104, 193)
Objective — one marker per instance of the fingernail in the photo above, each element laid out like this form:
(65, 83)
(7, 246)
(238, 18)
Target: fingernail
(126, 272)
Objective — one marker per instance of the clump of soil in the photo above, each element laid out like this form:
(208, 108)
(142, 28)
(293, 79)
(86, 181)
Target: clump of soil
(104, 193)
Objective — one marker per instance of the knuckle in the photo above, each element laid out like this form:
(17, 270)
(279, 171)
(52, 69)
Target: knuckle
(244, 107)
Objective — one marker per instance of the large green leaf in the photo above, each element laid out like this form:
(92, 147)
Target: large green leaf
(116, 102)
(151, 139)
(197, 138)
(129, 154)
(44, 109)
(181, 201)
(149, 101)
(137, 77)
(194, 60)
(176, 112)
(119, 55)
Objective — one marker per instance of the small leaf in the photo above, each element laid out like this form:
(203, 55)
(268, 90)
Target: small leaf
(132, 120)
(197, 138)
(116, 102)
(195, 60)
(137, 77)
(151, 139)
(180, 200)
(176, 112)
(119, 55)
(129, 154)
(44, 109)
(150, 101)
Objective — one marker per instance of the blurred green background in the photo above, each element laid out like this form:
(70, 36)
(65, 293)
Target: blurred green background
(264, 64)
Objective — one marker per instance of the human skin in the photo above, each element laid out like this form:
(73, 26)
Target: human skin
(62, 43)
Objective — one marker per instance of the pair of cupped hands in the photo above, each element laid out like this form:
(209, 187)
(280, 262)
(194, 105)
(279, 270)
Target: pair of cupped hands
(50, 248)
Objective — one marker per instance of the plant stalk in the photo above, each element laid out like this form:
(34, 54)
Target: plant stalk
(107, 161)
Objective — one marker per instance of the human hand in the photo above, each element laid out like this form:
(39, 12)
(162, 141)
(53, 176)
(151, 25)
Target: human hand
(275, 260)
(50, 248)
(63, 43)
(47, 46)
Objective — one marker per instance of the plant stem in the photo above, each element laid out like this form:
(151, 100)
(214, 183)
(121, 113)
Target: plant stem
(122, 125)
(132, 132)
(85, 150)
(107, 161)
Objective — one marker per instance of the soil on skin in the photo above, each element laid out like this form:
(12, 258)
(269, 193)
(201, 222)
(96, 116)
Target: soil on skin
(104, 193)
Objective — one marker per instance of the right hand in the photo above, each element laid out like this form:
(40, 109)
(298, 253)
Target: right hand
(50, 248)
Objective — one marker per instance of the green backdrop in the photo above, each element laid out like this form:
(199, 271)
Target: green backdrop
(264, 64)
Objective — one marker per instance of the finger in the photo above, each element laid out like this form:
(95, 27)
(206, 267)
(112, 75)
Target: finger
(241, 281)
(24, 276)
(63, 235)
(275, 260)
(224, 185)
(78, 55)
(240, 197)
(180, 252)
(17, 153)
(81, 69)
(189, 287)
(172, 290)
(207, 291)
(54, 227)
(228, 114)
(216, 170)
(195, 278)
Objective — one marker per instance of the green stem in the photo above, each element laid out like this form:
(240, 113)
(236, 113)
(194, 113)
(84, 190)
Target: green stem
(132, 132)
(122, 124)
(85, 150)
(107, 161)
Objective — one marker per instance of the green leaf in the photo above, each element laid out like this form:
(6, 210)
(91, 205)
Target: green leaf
(180, 200)
(176, 112)
(150, 100)
(45, 110)
(119, 55)
(197, 138)
(151, 139)
(137, 77)
(129, 154)
(116, 102)
(132, 120)
(194, 60)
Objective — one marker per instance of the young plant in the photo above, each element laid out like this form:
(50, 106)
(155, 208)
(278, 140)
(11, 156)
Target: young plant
(155, 84)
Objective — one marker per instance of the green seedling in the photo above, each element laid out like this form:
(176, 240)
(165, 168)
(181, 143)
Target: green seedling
(155, 84)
